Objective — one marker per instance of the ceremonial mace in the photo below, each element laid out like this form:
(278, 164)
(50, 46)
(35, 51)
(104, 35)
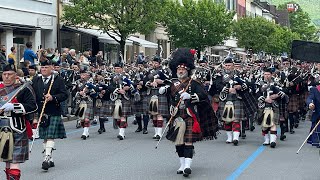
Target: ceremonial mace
(315, 127)
(42, 110)
(171, 117)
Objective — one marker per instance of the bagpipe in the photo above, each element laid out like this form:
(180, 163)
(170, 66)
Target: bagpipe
(120, 81)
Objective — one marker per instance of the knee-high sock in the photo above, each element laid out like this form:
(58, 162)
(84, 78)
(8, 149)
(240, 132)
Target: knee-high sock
(180, 151)
(49, 147)
(138, 118)
(101, 122)
(145, 121)
(291, 120)
(188, 154)
(14, 174)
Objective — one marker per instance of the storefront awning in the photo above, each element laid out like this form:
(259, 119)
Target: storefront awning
(143, 42)
(103, 37)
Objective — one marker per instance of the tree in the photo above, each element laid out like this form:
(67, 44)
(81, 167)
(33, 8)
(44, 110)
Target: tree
(120, 17)
(253, 32)
(300, 23)
(280, 40)
(197, 24)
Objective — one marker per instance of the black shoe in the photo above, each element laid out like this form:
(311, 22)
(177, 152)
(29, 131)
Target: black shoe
(252, 128)
(134, 122)
(235, 142)
(78, 125)
(138, 130)
(120, 137)
(94, 122)
(291, 131)
(51, 163)
(273, 145)
(186, 172)
(84, 137)
(296, 125)
(145, 131)
(283, 137)
(100, 131)
(243, 136)
(45, 165)
(157, 137)
(179, 172)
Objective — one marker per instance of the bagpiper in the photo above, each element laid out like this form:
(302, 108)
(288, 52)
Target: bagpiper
(231, 104)
(121, 88)
(192, 117)
(158, 103)
(140, 104)
(268, 102)
(17, 100)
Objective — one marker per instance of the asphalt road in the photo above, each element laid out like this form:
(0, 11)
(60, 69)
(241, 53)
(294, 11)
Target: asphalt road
(105, 157)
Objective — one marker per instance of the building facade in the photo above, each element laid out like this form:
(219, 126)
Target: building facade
(28, 20)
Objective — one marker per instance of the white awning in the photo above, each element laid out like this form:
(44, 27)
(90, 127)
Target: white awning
(103, 37)
(143, 42)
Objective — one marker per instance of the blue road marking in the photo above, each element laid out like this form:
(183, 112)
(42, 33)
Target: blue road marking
(246, 163)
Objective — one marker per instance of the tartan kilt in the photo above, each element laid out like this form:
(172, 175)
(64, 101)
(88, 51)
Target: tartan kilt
(314, 139)
(239, 112)
(140, 106)
(163, 107)
(293, 105)
(20, 148)
(283, 113)
(126, 107)
(145, 102)
(105, 110)
(89, 111)
(189, 136)
(55, 130)
(276, 115)
(302, 99)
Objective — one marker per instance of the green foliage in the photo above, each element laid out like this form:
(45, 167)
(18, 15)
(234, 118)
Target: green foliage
(263, 35)
(280, 41)
(122, 17)
(253, 32)
(197, 24)
(310, 6)
(300, 23)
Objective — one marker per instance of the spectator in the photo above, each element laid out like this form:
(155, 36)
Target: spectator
(140, 58)
(12, 56)
(28, 54)
(71, 57)
(3, 59)
(25, 68)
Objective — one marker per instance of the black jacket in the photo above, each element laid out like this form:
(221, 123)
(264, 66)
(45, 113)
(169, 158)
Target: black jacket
(58, 93)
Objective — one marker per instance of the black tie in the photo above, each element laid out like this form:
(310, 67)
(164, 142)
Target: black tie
(45, 80)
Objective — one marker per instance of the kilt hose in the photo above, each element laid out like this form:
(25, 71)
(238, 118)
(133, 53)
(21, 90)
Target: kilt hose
(20, 148)
(239, 112)
(105, 110)
(163, 107)
(55, 130)
(293, 105)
